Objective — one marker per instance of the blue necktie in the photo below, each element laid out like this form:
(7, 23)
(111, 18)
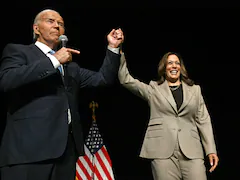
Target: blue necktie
(59, 67)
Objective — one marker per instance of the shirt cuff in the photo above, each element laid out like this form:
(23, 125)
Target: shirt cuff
(114, 50)
(54, 61)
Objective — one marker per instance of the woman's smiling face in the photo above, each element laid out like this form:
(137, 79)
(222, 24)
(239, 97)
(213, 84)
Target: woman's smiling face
(173, 67)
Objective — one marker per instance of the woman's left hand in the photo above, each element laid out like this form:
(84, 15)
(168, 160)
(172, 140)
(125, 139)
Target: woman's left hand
(213, 159)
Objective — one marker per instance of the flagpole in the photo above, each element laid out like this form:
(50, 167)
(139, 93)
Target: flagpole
(93, 106)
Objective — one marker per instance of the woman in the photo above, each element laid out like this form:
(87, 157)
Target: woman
(179, 132)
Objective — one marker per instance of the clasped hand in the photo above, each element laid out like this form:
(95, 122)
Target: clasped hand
(115, 38)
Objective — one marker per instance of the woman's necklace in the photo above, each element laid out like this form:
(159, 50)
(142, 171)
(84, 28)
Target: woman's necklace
(173, 88)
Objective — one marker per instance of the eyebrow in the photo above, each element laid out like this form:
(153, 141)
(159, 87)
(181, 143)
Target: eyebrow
(173, 60)
(52, 18)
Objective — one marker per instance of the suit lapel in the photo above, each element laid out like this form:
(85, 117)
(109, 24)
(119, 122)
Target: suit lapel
(37, 51)
(188, 92)
(165, 90)
(187, 95)
(42, 56)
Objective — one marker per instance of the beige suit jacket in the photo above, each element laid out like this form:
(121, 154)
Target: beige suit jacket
(191, 124)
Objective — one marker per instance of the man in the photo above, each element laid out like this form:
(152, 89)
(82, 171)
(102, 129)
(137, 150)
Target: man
(43, 136)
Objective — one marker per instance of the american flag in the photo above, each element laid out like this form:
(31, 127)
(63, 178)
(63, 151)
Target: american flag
(96, 164)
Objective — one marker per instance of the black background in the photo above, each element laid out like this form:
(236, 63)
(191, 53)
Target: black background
(206, 35)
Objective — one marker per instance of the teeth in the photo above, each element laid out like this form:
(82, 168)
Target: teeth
(173, 72)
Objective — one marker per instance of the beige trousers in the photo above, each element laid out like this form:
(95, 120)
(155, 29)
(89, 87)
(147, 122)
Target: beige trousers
(178, 167)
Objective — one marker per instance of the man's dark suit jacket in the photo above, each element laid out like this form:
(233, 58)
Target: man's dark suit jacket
(38, 100)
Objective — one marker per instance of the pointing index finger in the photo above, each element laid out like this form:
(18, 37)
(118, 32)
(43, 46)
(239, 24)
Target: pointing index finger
(74, 51)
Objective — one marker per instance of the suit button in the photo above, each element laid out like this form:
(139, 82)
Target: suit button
(179, 130)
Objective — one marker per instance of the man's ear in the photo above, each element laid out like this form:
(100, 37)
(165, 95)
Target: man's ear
(36, 29)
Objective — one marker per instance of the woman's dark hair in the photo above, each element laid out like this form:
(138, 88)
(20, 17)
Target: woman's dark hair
(162, 69)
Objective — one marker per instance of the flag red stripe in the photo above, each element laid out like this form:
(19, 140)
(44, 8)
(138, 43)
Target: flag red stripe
(78, 176)
(82, 167)
(104, 150)
(97, 173)
(87, 159)
(103, 165)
